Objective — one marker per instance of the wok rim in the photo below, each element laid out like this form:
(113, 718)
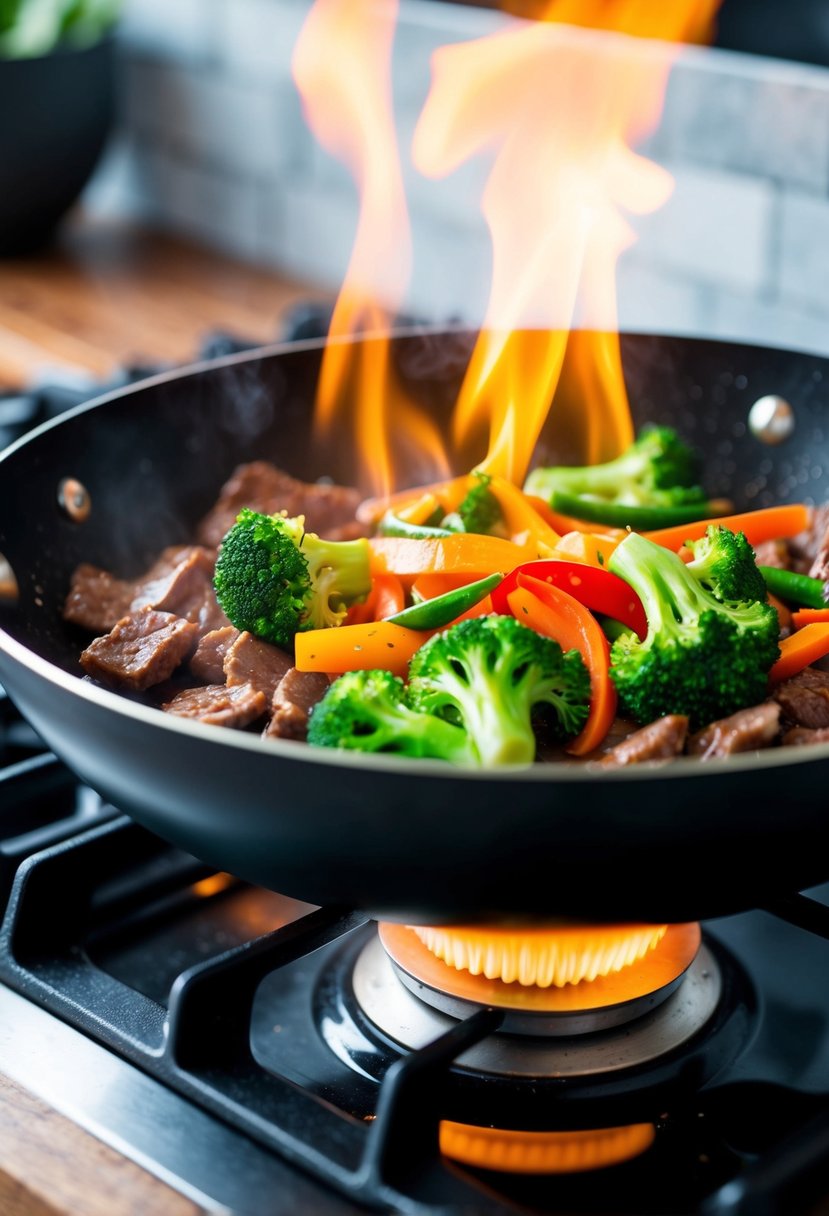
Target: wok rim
(551, 773)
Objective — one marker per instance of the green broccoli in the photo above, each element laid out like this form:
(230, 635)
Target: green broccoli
(704, 656)
(658, 469)
(489, 675)
(366, 711)
(725, 565)
(275, 579)
(478, 512)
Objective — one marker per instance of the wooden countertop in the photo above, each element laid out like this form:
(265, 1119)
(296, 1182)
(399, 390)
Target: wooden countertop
(108, 294)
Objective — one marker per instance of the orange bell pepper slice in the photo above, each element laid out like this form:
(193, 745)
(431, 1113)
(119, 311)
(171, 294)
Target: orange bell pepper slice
(376, 644)
(798, 651)
(555, 614)
(521, 517)
(588, 547)
(449, 493)
(463, 553)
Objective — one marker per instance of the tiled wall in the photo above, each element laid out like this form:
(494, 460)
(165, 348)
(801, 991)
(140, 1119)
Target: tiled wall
(212, 143)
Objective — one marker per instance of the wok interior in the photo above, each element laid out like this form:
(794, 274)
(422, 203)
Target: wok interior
(153, 458)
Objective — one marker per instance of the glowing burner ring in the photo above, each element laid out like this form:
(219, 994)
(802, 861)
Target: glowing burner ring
(599, 1004)
(492, 1148)
(555, 954)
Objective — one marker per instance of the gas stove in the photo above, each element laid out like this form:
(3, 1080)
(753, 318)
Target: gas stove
(243, 1044)
(261, 1055)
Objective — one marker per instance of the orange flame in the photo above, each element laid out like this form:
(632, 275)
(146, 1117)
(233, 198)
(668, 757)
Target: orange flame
(559, 112)
(342, 68)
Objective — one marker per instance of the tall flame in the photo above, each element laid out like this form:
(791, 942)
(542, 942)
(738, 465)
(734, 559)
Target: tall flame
(342, 68)
(558, 111)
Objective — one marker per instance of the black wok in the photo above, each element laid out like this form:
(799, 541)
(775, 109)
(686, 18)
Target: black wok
(419, 841)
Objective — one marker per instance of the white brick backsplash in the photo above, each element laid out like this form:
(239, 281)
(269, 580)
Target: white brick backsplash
(257, 37)
(306, 231)
(219, 209)
(716, 227)
(203, 115)
(804, 250)
(747, 319)
(654, 302)
(178, 29)
(754, 116)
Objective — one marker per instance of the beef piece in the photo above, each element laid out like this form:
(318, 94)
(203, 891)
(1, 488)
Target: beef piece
(218, 705)
(97, 600)
(144, 648)
(773, 553)
(800, 736)
(249, 660)
(804, 699)
(296, 695)
(329, 510)
(806, 546)
(660, 740)
(208, 662)
(744, 731)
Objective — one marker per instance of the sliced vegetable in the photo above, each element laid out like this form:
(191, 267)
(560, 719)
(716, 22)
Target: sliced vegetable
(380, 644)
(621, 515)
(795, 588)
(769, 523)
(424, 510)
(798, 651)
(588, 547)
(428, 586)
(435, 613)
(385, 599)
(596, 589)
(459, 553)
(521, 517)
(809, 616)
(448, 493)
(395, 525)
(557, 615)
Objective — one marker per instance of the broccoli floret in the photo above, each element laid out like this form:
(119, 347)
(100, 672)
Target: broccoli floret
(658, 469)
(366, 711)
(724, 564)
(479, 511)
(275, 579)
(703, 656)
(489, 675)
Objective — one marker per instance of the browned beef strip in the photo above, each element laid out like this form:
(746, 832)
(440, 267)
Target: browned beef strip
(806, 546)
(181, 582)
(208, 662)
(143, 648)
(660, 740)
(296, 695)
(328, 509)
(801, 736)
(744, 731)
(804, 699)
(249, 660)
(218, 705)
(773, 553)
(97, 599)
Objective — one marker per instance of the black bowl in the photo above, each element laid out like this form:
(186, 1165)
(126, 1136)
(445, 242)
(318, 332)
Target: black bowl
(56, 112)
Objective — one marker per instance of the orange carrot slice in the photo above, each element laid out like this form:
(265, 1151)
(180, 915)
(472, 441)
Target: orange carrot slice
(769, 523)
(385, 598)
(808, 616)
(465, 553)
(798, 651)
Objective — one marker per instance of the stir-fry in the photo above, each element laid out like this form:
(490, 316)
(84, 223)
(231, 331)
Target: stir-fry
(612, 613)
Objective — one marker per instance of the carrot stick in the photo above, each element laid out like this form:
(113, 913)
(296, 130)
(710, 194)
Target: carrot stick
(521, 517)
(420, 511)
(558, 615)
(429, 586)
(769, 523)
(798, 651)
(449, 493)
(808, 616)
(464, 553)
(378, 644)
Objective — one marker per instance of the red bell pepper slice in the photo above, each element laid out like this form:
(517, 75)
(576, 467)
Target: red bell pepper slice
(557, 615)
(598, 590)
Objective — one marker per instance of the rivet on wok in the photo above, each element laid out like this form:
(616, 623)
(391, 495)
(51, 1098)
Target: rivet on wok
(771, 419)
(74, 500)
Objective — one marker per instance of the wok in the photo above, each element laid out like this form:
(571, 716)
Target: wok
(418, 841)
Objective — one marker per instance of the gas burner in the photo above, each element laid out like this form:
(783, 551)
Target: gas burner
(406, 1019)
(622, 992)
